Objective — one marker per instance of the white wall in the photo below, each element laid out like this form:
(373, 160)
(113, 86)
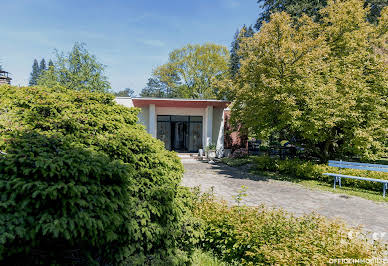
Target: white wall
(126, 101)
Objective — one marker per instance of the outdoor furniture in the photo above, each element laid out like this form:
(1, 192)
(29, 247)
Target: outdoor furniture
(359, 166)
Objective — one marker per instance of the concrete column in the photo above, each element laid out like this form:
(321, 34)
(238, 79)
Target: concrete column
(209, 125)
(152, 120)
(221, 133)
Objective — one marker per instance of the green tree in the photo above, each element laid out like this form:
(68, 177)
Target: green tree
(322, 84)
(309, 7)
(34, 74)
(95, 184)
(127, 92)
(42, 66)
(158, 89)
(51, 63)
(234, 64)
(78, 70)
(190, 71)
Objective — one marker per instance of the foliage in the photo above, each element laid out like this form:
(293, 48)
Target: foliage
(37, 71)
(242, 192)
(236, 162)
(42, 66)
(51, 63)
(190, 71)
(314, 171)
(211, 147)
(202, 258)
(156, 88)
(127, 92)
(34, 74)
(258, 235)
(94, 121)
(78, 70)
(310, 8)
(321, 84)
(234, 64)
(61, 201)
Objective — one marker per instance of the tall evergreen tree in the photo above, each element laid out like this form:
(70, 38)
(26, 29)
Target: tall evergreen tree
(34, 74)
(234, 64)
(50, 64)
(42, 66)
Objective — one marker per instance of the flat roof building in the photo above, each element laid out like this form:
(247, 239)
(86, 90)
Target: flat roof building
(4, 77)
(184, 125)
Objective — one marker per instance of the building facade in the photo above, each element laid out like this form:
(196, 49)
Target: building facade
(4, 77)
(184, 125)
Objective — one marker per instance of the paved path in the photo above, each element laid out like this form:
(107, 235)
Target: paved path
(292, 197)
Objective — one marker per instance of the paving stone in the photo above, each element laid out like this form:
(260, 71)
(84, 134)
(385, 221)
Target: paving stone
(299, 200)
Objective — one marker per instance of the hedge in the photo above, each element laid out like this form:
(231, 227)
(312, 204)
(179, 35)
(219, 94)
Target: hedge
(82, 120)
(262, 236)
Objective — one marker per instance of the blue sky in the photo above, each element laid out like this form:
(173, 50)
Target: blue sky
(130, 37)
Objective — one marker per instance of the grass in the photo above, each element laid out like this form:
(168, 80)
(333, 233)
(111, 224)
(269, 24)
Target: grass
(312, 184)
(202, 258)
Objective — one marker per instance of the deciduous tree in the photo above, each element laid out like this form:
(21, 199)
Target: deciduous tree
(78, 70)
(191, 69)
(309, 7)
(321, 83)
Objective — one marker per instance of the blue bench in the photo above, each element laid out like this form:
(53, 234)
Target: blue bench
(359, 166)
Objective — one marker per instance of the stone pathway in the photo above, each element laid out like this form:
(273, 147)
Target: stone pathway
(373, 216)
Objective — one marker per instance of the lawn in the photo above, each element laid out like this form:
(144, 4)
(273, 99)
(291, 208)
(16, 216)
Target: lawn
(312, 184)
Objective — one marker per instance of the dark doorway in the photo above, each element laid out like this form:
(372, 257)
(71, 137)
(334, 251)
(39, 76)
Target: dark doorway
(180, 133)
(179, 136)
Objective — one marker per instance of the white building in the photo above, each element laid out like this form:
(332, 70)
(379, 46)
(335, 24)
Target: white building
(184, 125)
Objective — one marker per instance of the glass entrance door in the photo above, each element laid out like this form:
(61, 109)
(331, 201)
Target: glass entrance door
(180, 133)
(179, 136)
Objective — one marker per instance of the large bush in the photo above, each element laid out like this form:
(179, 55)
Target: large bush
(260, 236)
(91, 121)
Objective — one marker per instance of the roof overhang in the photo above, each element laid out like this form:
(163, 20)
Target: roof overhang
(173, 102)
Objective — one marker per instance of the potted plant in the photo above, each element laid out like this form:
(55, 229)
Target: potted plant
(211, 151)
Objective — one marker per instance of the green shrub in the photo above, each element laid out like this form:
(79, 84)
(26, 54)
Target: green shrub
(94, 121)
(260, 236)
(235, 162)
(59, 200)
(310, 170)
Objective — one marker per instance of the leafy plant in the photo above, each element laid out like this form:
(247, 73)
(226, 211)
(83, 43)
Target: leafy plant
(61, 201)
(241, 194)
(262, 236)
(322, 84)
(211, 147)
(91, 121)
(78, 70)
